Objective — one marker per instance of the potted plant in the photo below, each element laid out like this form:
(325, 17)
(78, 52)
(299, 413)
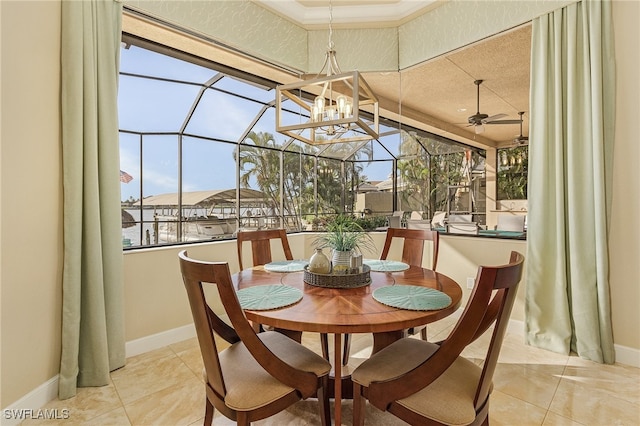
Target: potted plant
(344, 236)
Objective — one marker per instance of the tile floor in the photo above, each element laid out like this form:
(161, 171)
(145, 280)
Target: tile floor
(531, 387)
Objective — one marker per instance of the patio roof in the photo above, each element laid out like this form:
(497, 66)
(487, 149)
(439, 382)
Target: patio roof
(204, 198)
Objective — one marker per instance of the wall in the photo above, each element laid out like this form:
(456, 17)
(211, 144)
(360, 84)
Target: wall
(377, 202)
(153, 276)
(460, 256)
(239, 24)
(258, 31)
(459, 23)
(31, 194)
(624, 237)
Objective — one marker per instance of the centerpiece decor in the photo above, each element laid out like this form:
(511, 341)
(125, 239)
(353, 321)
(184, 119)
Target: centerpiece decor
(346, 238)
(319, 263)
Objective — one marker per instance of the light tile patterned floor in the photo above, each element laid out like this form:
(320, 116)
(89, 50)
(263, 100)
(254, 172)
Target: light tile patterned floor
(531, 387)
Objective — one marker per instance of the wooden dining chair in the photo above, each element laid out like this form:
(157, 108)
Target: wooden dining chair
(261, 245)
(427, 383)
(413, 247)
(261, 253)
(260, 374)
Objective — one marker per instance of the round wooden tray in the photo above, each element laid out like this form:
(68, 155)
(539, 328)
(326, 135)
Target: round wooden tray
(338, 280)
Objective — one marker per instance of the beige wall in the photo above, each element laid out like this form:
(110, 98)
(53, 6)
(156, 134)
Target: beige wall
(624, 237)
(31, 230)
(31, 210)
(153, 276)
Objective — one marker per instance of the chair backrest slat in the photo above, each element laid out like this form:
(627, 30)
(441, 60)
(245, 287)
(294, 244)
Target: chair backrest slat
(413, 245)
(490, 304)
(196, 272)
(261, 245)
(205, 320)
(506, 286)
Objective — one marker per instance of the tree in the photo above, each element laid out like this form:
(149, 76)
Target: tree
(512, 173)
(260, 161)
(428, 167)
(413, 168)
(260, 166)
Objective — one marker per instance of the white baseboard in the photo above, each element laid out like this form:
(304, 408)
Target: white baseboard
(627, 356)
(31, 402)
(159, 340)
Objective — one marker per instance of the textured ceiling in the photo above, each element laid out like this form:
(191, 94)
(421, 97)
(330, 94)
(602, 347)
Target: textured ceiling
(441, 93)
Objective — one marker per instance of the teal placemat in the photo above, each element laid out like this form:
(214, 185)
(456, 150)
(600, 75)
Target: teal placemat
(411, 297)
(286, 266)
(265, 297)
(385, 265)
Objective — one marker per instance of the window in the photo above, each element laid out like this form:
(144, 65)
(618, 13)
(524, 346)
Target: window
(512, 173)
(199, 140)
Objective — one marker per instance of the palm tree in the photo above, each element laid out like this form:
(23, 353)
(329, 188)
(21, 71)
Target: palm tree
(414, 167)
(260, 161)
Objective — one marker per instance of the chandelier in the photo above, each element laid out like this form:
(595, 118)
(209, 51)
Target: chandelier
(333, 102)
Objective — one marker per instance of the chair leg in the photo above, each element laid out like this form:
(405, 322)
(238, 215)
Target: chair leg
(208, 413)
(323, 402)
(423, 333)
(347, 349)
(243, 419)
(324, 342)
(257, 327)
(359, 403)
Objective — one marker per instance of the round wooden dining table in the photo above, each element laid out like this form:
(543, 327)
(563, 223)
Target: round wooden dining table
(339, 311)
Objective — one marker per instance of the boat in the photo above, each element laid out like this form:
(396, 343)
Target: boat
(206, 215)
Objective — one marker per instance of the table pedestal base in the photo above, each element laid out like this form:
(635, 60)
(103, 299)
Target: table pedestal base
(346, 385)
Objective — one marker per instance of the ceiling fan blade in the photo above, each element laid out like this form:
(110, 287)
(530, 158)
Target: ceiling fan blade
(503, 122)
(493, 117)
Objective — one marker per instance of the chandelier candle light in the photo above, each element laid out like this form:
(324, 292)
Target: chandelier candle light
(334, 112)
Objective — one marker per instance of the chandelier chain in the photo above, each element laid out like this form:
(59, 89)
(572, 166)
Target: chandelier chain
(331, 45)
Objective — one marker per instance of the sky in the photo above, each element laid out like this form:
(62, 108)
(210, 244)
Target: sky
(161, 106)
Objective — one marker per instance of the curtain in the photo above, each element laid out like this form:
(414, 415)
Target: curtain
(92, 301)
(571, 141)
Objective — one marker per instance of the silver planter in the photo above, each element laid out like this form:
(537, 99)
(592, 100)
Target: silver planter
(341, 258)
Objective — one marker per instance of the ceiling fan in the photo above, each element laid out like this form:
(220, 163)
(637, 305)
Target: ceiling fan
(478, 120)
(521, 140)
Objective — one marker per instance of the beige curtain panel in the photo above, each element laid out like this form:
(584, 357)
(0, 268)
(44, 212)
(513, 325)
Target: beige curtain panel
(570, 153)
(92, 311)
